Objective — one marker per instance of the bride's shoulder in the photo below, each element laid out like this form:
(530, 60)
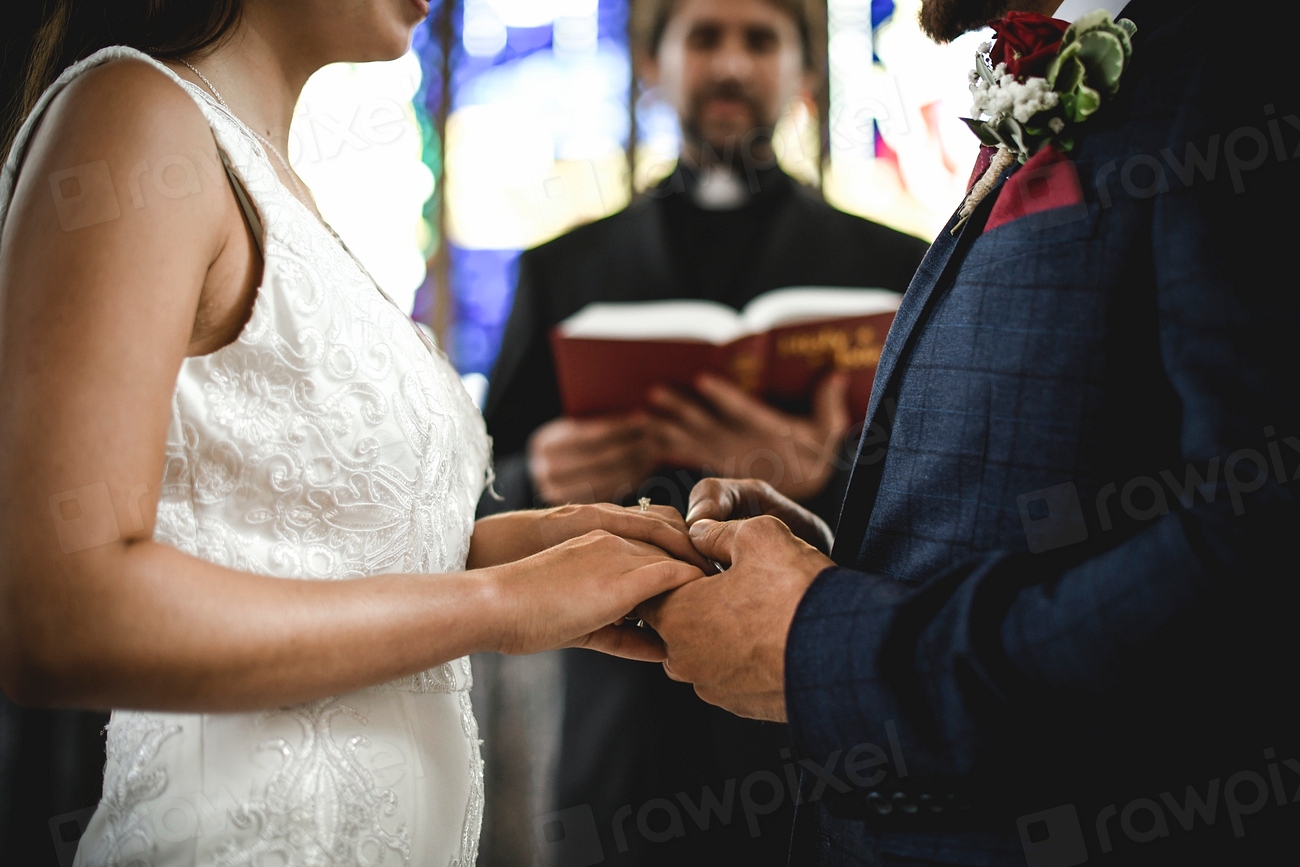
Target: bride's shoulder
(121, 111)
(120, 171)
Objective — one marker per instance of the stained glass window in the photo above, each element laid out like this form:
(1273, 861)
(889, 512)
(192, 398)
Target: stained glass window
(536, 127)
(900, 154)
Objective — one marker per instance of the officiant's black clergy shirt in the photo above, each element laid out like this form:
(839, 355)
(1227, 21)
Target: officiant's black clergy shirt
(630, 735)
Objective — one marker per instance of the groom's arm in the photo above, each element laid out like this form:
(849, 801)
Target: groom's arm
(1158, 630)
(1155, 626)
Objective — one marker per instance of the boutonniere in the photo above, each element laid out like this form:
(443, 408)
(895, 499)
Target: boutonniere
(1038, 82)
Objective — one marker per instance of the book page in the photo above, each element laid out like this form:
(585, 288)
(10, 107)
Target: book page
(705, 321)
(810, 303)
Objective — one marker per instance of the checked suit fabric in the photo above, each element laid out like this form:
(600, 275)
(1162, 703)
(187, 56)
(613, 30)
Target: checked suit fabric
(1072, 358)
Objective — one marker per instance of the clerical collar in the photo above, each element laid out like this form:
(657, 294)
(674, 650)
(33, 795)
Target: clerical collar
(717, 188)
(720, 188)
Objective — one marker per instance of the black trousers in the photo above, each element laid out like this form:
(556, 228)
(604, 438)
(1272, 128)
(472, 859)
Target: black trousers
(652, 775)
(51, 778)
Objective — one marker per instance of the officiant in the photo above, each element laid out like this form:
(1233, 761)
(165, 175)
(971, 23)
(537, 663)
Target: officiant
(727, 225)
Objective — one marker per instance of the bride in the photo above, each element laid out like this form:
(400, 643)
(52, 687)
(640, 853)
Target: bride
(202, 395)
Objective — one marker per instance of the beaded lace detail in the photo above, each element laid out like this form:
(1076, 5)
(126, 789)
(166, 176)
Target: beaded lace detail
(135, 744)
(322, 806)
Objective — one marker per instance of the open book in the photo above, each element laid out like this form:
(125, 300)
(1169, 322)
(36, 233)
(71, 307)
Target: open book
(608, 356)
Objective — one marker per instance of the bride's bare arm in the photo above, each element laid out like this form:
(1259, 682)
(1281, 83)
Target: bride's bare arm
(100, 301)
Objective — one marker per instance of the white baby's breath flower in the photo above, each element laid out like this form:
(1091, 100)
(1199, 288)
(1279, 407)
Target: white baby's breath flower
(1056, 124)
(1007, 97)
(1030, 98)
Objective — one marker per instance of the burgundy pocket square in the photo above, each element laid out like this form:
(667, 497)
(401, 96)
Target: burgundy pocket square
(1047, 182)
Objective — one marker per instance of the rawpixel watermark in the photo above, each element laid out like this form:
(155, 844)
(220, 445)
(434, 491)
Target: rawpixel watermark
(85, 517)
(572, 838)
(1055, 517)
(1057, 837)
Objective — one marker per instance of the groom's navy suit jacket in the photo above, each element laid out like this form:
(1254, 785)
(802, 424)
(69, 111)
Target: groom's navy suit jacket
(1043, 629)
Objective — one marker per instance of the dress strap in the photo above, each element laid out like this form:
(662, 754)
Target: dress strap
(245, 204)
(22, 141)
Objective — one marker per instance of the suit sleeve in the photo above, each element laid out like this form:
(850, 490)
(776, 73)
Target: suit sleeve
(522, 394)
(1141, 633)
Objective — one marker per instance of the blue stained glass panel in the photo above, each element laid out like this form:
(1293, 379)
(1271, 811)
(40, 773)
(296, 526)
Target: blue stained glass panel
(481, 281)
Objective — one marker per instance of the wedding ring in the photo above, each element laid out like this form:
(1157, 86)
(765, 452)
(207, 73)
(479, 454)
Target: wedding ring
(644, 502)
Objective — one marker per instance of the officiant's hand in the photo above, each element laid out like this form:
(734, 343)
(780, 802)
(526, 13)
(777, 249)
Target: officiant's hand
(727, 432)
(726, 633)
(716, 499)
(597, 460)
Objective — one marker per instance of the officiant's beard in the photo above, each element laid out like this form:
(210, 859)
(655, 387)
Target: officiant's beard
(945, 20)
(742, 154)
(741, 150)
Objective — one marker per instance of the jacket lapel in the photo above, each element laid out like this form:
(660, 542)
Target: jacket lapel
(938, 269)
(914, 302)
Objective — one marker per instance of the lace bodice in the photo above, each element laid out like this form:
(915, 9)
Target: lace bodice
(331, 440)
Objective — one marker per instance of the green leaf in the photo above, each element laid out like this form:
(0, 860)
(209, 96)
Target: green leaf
(982, 131)
(1086, 102)
(1099, 21)
(1053, 69)
(1071, 71)
(1067, 38)
(982, 67)
(1103, 57)
(1090, 21)
(1013, 134)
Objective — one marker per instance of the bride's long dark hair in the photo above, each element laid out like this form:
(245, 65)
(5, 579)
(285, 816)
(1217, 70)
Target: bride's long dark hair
(69, 30)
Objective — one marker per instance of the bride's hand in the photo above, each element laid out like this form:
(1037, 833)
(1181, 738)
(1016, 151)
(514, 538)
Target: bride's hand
(513, 536)
(577, 594)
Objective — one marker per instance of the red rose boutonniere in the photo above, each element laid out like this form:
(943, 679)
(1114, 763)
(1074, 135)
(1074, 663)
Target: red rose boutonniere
(1038, 82)
(1026, 42)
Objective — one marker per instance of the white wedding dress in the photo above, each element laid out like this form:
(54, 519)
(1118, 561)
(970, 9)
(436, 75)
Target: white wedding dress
(330, 441)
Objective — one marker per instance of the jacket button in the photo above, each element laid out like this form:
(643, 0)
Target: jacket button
(879, 804)
(904, 803)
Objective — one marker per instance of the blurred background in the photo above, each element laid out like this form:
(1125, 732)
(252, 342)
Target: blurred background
(511, 121)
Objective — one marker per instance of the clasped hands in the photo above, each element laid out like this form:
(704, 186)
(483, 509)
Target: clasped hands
(584, 575)
(726, 633)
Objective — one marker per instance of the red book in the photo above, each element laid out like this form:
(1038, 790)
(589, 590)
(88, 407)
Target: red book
(609, 356)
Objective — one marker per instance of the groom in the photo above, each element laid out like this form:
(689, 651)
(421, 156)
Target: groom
(1058, 625)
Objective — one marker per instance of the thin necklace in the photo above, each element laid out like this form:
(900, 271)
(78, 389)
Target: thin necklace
(293, 179)
(302, 196)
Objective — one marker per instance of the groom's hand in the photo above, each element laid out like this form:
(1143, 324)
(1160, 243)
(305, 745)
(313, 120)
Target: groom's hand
(726, 633)
(728, 499)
